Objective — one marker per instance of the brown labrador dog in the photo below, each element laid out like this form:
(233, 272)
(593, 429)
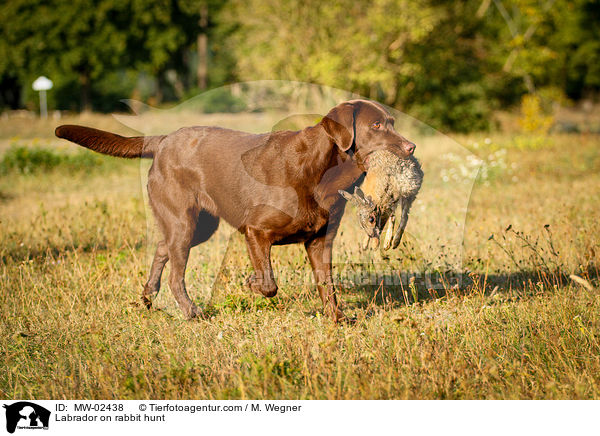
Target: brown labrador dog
(275, 188)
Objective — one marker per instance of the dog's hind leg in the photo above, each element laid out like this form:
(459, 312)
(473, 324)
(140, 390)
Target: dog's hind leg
(206, 225)
(179, 241)
(153, 284)
(180, 238)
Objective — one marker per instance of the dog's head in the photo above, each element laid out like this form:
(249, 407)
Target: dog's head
(363, 126)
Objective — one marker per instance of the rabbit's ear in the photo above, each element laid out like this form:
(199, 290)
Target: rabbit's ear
(359, 193)
(346, 195)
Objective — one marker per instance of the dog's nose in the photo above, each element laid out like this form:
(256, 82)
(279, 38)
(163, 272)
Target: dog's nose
(410, 148)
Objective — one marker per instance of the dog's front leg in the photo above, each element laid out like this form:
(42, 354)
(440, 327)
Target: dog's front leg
(319, 253)
(259, 249)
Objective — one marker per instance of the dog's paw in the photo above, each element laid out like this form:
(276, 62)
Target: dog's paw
(268, 289)
(336, 315)
(147, 301)
(148, 296)
(193, 312)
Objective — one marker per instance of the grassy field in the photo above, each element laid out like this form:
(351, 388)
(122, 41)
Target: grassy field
(74, 254)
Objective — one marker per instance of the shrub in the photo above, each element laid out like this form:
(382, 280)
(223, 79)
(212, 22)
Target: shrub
(219, 100)
(463, 108)
(533, 119)
(26, 160)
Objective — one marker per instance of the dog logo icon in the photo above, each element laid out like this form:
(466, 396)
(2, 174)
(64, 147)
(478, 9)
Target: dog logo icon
(26, 415)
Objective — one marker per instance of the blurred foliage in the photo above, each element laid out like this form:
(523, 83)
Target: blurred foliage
(344, 44)
(450, 64)
(533, 119)
(29, 160)
(214, 101)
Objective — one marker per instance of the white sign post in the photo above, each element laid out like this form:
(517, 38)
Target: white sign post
(42, 84)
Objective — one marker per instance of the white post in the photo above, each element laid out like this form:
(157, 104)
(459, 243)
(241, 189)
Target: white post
(42, 84)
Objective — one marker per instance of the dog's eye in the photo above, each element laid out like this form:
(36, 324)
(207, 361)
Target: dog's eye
(371, 219)
(376, 125)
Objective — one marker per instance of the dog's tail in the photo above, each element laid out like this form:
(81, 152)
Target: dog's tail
(110, 143)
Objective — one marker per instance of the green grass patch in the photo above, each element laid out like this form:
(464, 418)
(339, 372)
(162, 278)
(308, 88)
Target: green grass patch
(30, 160)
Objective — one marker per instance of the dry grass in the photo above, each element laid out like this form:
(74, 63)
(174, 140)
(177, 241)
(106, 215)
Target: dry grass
(73, 259)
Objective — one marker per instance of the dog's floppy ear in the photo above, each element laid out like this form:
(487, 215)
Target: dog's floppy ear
(339, 125)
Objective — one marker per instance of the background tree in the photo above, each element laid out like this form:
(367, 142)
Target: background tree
(72, 42)
(448, 63)
(424, 57)
(352, 45)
